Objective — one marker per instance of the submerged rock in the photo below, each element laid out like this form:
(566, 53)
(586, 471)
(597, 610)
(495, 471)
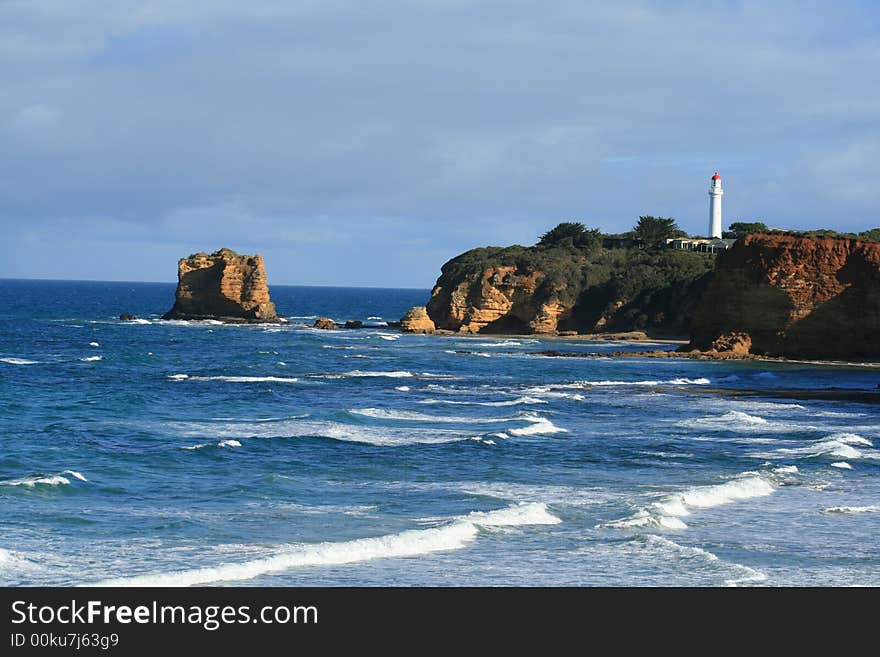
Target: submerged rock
(223, 285)
(416, 320)
(125, 317)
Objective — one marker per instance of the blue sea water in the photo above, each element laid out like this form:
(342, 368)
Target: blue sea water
(188, 453)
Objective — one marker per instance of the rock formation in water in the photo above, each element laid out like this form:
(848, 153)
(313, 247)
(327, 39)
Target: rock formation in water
(223, 285)
(416, 320)
(325, 323)
(805, 297)
(539, 290)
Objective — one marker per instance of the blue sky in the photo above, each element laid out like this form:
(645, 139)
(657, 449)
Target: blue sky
(357, 143)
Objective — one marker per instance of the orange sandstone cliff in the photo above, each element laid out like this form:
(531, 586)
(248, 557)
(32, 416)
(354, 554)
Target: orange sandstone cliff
(223, 285)
(794, 296)
(497, 300)
(568, 289)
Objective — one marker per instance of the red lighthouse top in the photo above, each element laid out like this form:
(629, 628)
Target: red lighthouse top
(716, 176)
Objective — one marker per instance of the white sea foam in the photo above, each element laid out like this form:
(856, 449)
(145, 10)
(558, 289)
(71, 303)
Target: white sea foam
(514, 516)
(736, 573)
(669, 382)
(44, 480)
(851, 509)
(94, 344)
(545, 391)
(14, 562)
(90, 359)
(539, 426)
(509, 402)
(457, 533)
(399, 374)
(841, 414)
(18, 361)
(235, 379)
(385, 414)
(383, 436)
(231, 442)
(669, 510)
(482, 354)
(402, 388)
(728, 420)
(842, 465)
(839, 445)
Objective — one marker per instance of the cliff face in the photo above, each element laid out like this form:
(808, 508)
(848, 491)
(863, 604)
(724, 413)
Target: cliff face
(529, 290)
(795, 296)
(223, 285)
(495, 300)
(416, 320)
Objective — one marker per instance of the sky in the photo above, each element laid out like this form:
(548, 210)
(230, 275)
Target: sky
(366, 143)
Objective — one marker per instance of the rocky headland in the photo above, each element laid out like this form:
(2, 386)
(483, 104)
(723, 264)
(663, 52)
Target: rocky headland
(224, 286)
(568, 290)
(771, 295)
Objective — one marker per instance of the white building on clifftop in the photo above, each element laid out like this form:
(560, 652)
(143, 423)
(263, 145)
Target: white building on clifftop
(715, 194)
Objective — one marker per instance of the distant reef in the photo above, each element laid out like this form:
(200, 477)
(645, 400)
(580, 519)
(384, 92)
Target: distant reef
(223, 285)
(795, 297)
(568, 288)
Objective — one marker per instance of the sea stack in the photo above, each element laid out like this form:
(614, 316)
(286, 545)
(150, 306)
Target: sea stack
(223, 285)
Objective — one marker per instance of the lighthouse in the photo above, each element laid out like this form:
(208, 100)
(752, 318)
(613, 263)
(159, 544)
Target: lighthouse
(715, 194)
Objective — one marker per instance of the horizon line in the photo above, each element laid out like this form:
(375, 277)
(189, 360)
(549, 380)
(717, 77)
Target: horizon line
(94, 280)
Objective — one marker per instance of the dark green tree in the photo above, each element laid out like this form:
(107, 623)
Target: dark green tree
(743, 228)
(571, 234)
(872, 235)
(654, 231)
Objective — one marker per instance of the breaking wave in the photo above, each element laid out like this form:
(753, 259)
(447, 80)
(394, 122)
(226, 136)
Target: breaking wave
(667, 512)
(670, 382)
(539, 426)
(510, 402)
(235, 379)
(44, 480)
(456, 534)
(836, 445)
(18, 361)
(384, 414)
(231, 442)
(734, 573)
(851, 509)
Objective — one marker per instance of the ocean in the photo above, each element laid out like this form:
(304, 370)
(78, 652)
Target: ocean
(196, 453)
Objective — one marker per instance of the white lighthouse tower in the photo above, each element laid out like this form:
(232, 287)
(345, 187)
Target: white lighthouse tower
(715, 194)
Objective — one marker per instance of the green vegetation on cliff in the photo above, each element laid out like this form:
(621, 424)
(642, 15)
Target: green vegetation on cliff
(605, 288)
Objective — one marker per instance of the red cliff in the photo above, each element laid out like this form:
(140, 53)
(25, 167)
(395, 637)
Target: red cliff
(796, 297)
